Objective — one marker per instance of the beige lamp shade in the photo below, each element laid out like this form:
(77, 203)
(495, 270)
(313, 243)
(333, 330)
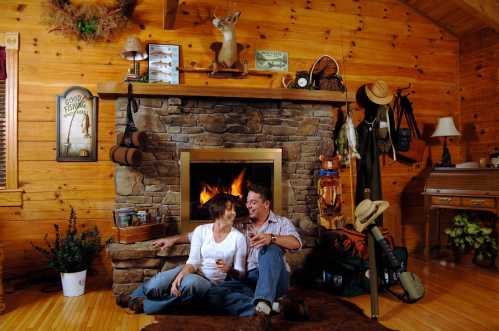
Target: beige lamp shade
(445, 128)
(133, 49)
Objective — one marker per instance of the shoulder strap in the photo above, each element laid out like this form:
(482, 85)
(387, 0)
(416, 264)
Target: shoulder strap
(132, 105)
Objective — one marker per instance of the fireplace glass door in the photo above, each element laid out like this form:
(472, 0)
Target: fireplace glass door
(205, 173)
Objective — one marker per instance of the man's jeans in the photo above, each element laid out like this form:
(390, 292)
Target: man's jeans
(156, 291)
(270, 281)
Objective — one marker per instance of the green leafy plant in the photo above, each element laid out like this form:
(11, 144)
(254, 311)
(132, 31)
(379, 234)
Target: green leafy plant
(466, 235)
(74, 251)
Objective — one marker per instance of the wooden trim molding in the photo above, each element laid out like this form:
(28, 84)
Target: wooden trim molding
(11, 196)
(119, 89)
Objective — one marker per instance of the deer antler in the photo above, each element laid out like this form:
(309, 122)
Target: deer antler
(214, 12)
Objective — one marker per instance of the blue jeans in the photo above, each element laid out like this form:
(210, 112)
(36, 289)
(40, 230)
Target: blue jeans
(156, 291)
(270, 281)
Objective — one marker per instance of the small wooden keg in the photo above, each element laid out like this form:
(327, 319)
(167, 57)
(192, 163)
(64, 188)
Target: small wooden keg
(138, 139)
(127, 156)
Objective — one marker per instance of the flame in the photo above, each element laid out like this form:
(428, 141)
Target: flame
(236, 189)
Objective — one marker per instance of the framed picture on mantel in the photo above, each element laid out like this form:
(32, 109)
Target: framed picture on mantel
(76, 125)
(164, 63)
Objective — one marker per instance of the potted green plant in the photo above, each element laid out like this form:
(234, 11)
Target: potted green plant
(72, 254)
(467, 236)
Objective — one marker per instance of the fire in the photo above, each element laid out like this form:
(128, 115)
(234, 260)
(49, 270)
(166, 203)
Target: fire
(236, 189)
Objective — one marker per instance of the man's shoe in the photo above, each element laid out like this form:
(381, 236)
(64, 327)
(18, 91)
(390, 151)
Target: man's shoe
(294, 309)
(122, 300)
(137, 305)
(263, 307)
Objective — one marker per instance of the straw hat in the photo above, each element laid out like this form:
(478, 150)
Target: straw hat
(367, 212)
(378, 92)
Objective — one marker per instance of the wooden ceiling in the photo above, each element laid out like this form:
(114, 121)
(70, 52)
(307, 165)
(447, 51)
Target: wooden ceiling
(459, 17)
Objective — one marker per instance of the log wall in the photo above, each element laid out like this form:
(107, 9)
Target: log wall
(479, 90)
(375, 39)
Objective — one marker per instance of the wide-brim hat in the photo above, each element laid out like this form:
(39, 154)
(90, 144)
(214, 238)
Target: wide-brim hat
(379, 92)
(367, 212)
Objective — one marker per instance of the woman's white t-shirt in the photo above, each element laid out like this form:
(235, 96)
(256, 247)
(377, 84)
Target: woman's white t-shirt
(205, 251)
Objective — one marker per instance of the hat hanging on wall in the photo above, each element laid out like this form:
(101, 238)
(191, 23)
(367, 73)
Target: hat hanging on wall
(378, 92)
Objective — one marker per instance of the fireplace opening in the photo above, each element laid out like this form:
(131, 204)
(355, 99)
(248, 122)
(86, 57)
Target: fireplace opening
(209, 179)
(206, 172)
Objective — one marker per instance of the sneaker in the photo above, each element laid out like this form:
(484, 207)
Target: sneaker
(136, 305)
(263, 307)
(122, 300)
(294, 309)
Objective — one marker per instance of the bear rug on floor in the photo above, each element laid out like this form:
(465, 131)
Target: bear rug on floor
(326, 312)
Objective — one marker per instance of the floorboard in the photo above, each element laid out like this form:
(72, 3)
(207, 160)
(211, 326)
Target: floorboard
(457, 298)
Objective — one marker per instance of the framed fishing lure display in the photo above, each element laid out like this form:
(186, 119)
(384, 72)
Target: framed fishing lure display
(76, 125)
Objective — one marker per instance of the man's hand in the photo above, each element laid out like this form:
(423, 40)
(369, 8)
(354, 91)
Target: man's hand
(175, 291)
(165, 243)
(260, 240)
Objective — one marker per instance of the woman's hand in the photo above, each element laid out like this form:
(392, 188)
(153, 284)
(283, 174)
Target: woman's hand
(175, 291)
(225, 267)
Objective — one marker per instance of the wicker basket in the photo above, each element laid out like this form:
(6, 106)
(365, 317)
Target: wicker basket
(132, 234)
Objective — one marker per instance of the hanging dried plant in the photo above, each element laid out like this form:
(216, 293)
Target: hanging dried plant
(89, 21)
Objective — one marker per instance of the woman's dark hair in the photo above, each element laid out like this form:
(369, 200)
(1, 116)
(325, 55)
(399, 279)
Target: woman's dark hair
(217, 205)
(262, 190)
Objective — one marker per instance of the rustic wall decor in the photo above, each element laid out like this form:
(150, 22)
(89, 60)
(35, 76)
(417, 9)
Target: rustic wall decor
(77, 125)
(164, 63)
(89, 22)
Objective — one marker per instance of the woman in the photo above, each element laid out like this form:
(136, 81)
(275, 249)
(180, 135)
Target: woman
(217, 249)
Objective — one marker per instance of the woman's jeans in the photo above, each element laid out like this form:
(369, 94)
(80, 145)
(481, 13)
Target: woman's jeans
(270, 281)
(156, 291)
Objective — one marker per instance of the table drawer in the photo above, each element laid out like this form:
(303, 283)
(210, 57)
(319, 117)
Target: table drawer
(445, 201)
(479, 202)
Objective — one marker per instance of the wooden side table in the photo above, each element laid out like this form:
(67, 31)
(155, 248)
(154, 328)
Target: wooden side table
(462, 189)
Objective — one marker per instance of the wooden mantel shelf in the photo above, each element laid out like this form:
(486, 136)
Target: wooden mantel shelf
(119, 89)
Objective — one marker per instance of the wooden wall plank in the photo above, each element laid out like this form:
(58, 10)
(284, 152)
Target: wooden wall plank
(376, 39)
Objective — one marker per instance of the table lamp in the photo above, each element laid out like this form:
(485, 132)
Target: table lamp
(134, 51)
(445, 128)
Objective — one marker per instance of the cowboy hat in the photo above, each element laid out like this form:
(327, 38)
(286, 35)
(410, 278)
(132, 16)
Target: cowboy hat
(367, 212)
(378, 92)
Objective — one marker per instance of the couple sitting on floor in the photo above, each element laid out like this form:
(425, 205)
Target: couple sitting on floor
(239, 272)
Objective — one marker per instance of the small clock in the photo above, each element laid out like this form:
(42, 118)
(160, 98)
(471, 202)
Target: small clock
(302, 79)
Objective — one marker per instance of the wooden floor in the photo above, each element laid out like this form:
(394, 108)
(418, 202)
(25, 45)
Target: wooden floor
(458, 298)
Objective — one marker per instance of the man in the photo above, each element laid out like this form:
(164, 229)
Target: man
(269, 236)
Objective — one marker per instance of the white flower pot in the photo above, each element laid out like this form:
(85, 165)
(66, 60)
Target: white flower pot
(73, 284)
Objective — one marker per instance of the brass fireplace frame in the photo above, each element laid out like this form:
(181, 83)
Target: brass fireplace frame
(247, 155)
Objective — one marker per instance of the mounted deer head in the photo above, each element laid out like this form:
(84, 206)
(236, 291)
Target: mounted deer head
(228, 55)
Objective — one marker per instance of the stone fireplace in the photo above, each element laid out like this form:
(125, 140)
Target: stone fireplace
(295, 132)
(301, 130)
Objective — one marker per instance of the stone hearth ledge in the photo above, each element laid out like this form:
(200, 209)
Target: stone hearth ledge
(136, 263)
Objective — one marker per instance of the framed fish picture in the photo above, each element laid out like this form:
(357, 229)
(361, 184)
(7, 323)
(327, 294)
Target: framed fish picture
(271, 60)
(164, 63)
(76, 125)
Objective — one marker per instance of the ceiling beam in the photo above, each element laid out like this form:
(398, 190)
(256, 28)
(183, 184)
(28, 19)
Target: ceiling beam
(169, 14)
(487, 11)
